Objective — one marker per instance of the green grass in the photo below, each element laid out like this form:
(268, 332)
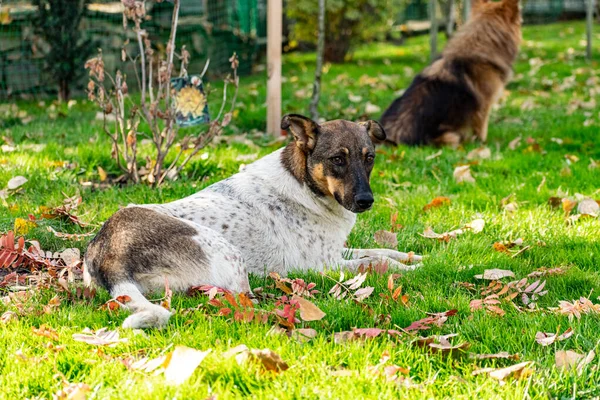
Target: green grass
(404, 181)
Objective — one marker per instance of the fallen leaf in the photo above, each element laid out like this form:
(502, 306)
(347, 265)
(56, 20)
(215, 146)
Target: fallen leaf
(363, 293)
(517, 371)
(577, 307)
(386, 239)
(372, 108)
(502, 355)
(181, 363)
(543, 271)
(46, 331)
(476, 225)
(441, 344)
(546, 339)
(102, 174)
(568, 359)
(304, 334)
(513, 144)
(308, 311)
(481, 153)
(8, 316)
(362, 334)
(437, 202)
(588, 207)
(434, 319)
(268, 359)
(72, 391)
(463, 174)
(495, 274)
(16, 182)
(568, 205)
(101, 337)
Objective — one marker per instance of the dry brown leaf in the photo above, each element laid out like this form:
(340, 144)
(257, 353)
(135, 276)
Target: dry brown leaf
(101, 337)
(46, 331)
(568, 205)
(386, 239)
(441, 344)
(476, 225)
(495, 274)
(502, 355)
(16, 182)
(588, 207)
(543, 271)
(571, 360)
(463, 174)
(437, 202)
(181, 363)
(546, 339)
(8, 316)
(513, 144)
(362, 334)
(308, 311)
(102, 174)
(268, 359)
(481, 153)
(516, 371)
(577, 307)
(72, 391)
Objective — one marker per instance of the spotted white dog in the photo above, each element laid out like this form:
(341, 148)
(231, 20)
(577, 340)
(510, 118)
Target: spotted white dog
(292, 209)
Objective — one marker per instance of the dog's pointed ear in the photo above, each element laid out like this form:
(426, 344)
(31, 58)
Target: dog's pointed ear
(512, 9)
(304, 129)
(375, 131)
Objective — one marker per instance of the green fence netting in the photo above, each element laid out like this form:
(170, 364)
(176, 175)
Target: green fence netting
(533, 11)
(208, 28)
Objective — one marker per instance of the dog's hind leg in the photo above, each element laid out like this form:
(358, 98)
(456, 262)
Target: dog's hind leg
(393, 254)
(145, 314)
(452, 139)
(354, 265)
(138, 250)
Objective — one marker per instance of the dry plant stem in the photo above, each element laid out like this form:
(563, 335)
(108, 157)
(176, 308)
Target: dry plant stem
(171, 44)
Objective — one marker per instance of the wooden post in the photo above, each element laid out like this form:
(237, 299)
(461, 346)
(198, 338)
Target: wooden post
(589, 28)
(274, 33)
(466, 10)
(433, 30)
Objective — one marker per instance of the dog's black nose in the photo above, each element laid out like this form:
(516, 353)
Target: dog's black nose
(364, 200)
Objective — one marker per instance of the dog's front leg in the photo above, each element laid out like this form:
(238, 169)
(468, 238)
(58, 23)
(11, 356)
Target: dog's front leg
(354, 265)
(409, 258)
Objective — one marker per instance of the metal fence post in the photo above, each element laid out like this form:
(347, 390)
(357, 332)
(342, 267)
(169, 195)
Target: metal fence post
(589, 27)
(274, 33)
(433, 30)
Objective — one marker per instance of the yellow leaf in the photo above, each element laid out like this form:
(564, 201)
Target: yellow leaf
(308, 311)
(102, 174)
(23, 226)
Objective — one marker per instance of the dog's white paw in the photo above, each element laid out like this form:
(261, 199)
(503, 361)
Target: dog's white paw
(415, 258)
(156, 317)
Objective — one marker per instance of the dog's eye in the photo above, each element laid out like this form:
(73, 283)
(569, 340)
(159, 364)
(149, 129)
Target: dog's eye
(370, 158)
(339, 161)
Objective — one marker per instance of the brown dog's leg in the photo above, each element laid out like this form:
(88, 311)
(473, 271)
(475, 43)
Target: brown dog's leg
(451, 139)
(480, 122)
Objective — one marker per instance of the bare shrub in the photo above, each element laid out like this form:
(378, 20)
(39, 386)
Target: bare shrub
(156, 108)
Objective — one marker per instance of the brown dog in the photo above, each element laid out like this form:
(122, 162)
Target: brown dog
(457, 91)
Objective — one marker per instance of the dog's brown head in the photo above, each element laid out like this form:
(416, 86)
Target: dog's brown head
(334, 158)
(505, 9)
